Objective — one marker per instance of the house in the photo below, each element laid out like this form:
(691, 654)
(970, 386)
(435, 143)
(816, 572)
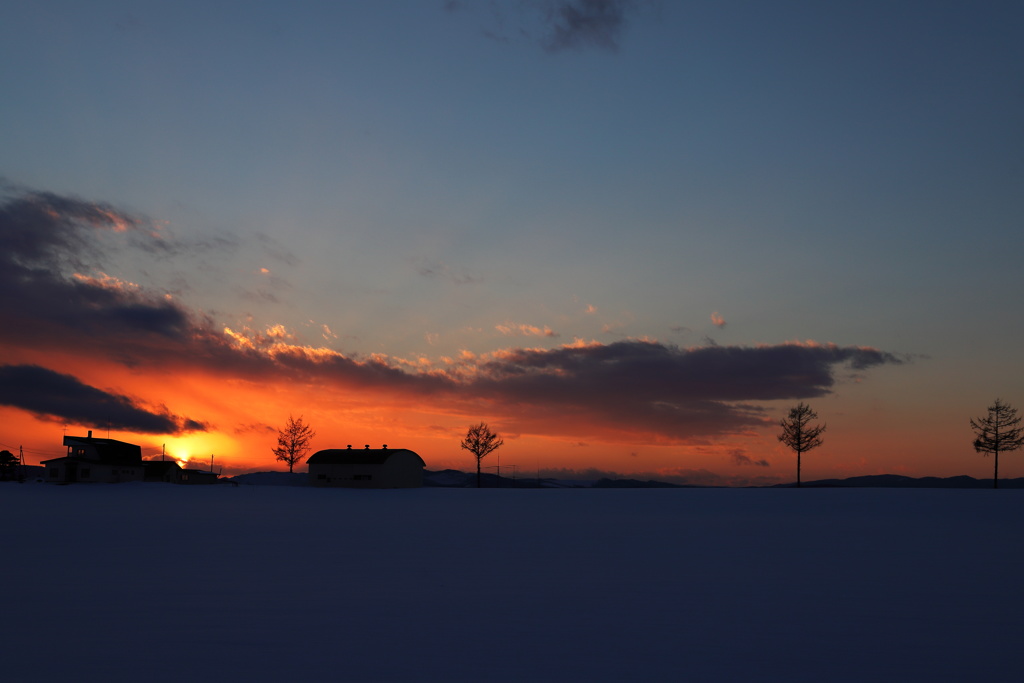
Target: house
(110, 461)
(96, 460)
(367, 468)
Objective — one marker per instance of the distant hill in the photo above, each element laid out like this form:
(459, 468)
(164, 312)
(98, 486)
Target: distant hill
(638, 484)
(899, 481)
(467, 480)
(459, 479)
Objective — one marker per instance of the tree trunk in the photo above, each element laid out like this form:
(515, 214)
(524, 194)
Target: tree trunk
(995, 477)
(798, 469)
(478, 472)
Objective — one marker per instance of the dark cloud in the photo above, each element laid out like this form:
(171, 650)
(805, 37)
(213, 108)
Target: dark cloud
(50, 273)
(586, 23)
(557, 25)
(43, 230)
(55, 396)
(663, 389)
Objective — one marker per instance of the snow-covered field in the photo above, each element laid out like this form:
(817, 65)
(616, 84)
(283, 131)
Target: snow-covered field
(153, 582)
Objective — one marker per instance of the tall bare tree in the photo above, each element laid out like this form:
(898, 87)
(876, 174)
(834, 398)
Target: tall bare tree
(997, 433)
(293, 442)
(481, 441)
(798, 434)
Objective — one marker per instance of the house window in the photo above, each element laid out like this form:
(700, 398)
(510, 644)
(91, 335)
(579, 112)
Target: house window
(80, 451)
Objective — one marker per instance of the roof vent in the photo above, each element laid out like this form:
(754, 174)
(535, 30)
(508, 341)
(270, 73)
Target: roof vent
(349, 446)
(385, 446)
(367, 446)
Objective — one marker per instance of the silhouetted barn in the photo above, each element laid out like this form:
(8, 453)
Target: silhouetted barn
(366, 468)
(96, 460)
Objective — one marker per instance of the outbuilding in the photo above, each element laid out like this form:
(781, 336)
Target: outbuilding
(366, 468)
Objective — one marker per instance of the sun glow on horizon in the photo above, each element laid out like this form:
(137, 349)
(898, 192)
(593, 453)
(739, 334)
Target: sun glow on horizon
(195, 450)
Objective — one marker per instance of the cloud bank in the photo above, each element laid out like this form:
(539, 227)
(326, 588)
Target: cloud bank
(630, 389)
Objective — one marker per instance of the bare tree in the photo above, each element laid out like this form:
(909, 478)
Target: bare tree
(998, 432)
(8, 465)
(481, 441)
(798, 434)
(293, 442)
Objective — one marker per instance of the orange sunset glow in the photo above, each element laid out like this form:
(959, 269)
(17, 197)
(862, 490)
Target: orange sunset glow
(628, 236)
(636, 407)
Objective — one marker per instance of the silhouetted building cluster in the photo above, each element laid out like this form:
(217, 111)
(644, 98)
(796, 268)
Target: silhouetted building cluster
(109, 461)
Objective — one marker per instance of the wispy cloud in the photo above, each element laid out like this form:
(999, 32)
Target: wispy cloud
(717, 320)
(276, 250)
(54, 396)
(523, 330)
(436, 269)
(741, 459)
(255, 427)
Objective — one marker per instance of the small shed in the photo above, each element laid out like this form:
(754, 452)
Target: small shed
(193, 476)
(168, 471)
(366, 468)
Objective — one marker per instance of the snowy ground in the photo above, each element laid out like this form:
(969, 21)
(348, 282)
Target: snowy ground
(153, 582)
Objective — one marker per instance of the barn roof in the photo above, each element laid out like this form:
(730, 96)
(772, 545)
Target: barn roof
(357, 456)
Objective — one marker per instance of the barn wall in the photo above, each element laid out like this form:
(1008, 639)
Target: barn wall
(401, 470)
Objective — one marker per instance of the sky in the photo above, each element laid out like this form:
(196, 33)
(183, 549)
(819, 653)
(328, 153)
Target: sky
(629, 236)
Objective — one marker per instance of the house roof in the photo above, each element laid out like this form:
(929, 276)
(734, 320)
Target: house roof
(109, 450)
(95, 441)
(357, 456)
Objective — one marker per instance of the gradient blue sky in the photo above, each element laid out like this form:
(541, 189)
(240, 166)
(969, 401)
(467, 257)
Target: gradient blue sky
(430, 180)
